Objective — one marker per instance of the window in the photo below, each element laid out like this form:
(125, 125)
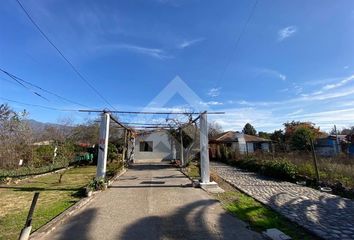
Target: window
(146, 146)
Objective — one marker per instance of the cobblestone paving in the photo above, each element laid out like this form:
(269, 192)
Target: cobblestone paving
(326, 215)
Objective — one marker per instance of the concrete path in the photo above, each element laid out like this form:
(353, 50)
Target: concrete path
(327, 215)
(153, 202)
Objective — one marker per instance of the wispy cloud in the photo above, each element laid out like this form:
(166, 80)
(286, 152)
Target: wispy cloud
(188, 43)
(152, 52)
(212, 103)
(340, 83)
(286, 32)
(272, 73)
(214, 92)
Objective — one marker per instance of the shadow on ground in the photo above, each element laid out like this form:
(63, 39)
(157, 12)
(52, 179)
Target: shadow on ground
(80, 225)
(330, 217)
(189, 222)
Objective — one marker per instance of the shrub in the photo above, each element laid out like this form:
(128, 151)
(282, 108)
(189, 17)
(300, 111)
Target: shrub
(113, 168)
(96, 184)
(44, 154)
(112, 152)
(280, 169)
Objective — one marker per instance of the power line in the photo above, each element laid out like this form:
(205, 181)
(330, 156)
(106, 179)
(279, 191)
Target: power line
(40, 106)
(146, 124)
(237, 43)
(21, 81)
(152, 113)
(63, 56)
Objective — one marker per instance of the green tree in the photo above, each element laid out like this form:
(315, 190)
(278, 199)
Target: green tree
(300, 139)
(290, 128)
(264, 135)
(249, 129)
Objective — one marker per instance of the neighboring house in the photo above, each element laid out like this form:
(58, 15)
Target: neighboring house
(329, 146)
(153, 146)
(240, 142)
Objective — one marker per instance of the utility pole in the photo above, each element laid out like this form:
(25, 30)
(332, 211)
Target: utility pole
(337, 140)
(103, 146)
(315, 161)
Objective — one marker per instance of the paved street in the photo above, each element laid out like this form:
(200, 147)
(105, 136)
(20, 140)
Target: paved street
(153, 202)
(328, 216)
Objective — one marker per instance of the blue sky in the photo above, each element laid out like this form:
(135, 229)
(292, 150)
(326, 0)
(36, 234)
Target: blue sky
(293, 62)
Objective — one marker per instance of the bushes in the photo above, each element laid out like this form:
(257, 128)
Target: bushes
(96, 184)
(280, 169)
(114, 168)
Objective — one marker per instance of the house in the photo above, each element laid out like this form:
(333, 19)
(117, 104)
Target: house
(331, 145)
(153, 146)
(239, 142)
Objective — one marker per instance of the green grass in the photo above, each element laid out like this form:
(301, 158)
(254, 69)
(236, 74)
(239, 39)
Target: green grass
(258, 216)
(54, 198)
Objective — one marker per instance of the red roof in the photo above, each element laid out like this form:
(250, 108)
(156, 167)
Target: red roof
(232, 136)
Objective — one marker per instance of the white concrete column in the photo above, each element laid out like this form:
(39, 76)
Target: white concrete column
(103, 146)
(181, 148)
(173, 146)
(204, 150)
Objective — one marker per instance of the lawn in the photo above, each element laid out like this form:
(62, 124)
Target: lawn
(258, 216)
(54, 198)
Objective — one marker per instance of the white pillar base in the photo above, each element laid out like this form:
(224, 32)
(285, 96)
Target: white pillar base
(211, 187)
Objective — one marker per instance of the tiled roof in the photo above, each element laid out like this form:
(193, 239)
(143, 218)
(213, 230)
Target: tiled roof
(232, 136)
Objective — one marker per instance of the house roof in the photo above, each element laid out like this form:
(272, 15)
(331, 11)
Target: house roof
(231, 136)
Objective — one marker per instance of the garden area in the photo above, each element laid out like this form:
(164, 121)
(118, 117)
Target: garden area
(57, 160)
(258, 216)
(54, 198)
(296, 154)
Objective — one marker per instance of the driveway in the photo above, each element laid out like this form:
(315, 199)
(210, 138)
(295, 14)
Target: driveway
(153, 201)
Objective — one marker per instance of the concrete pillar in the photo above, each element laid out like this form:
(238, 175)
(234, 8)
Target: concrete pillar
(181, 148)
(173, 147)
(132, 149)
(103, 146)
(204, 151)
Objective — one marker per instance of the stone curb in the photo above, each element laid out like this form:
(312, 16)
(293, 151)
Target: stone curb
(64, 216)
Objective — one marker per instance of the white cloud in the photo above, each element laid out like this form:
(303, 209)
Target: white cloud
(153, 52)
(286, 32)
(189, 43)
(212, 103)
(340, 83)
(214, 92)
(272, 73)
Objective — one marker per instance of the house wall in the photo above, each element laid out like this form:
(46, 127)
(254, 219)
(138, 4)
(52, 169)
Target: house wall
(242, 145)
(250, 147)
(265, 147)
(162, 149)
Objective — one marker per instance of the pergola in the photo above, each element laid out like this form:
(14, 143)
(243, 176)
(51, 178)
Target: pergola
(202, 117)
